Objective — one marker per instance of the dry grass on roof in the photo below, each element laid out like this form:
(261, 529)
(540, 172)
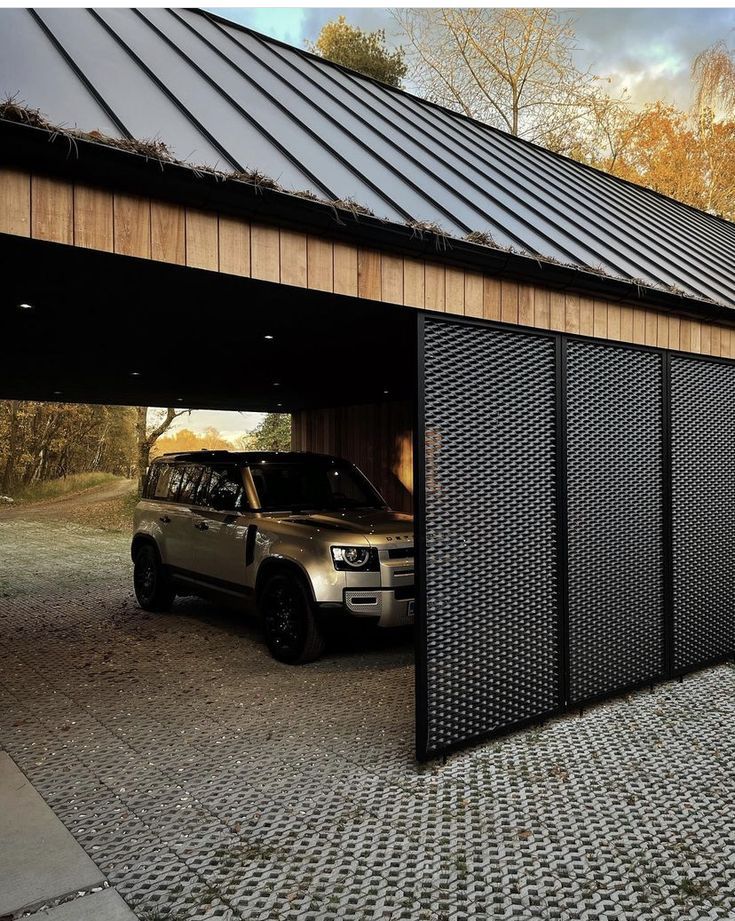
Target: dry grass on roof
(14, 110)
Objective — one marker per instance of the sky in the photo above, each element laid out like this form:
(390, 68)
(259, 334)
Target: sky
(648, 52)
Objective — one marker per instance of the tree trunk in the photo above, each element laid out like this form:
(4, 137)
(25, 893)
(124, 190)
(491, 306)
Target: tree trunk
(9, 471)
(144, 448)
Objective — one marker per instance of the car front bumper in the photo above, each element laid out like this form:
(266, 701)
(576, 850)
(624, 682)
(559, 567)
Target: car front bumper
(391, 607)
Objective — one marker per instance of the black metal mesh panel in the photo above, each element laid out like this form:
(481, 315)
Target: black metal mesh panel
(703, 509)
(614, 508)
(491, 619)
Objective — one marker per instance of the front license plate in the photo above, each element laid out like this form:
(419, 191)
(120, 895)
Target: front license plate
(410, 608)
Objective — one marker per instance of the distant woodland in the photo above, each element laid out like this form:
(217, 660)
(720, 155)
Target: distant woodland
(49, 441)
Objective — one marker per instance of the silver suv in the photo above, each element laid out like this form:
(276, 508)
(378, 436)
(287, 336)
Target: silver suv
(301, 534)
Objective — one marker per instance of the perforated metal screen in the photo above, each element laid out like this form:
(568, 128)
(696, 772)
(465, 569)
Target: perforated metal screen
(492, 646)
(576, 536)
(703, 510)
(614, 513)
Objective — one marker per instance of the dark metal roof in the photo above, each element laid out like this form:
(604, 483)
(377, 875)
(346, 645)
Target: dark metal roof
(223, 95)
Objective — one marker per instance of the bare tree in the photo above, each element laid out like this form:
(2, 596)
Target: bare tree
(512, 68)
(713, 73)
(146, 437)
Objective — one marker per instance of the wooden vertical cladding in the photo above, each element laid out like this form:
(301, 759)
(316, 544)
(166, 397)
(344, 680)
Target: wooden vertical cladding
(454, 290)
(168, 233)
(391, 279)
(541, 308)
(557, 311)
(202, 240)
(320, 264)
(586, 316)
(58, 211)
(377, 437)
(265, 252)
(234, 246)
(15, 202)
(474, 294)
(345, 269)
(52, 210)
(369, 275)
(94, 225)
(132, 225)
(434, 286)
(293, 258)
(571, 313)
(414, 283)
(509, 301)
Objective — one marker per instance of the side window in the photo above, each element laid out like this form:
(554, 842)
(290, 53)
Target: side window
(226, 491)
(162, 481)
(177, 475)
(149, 491)
(189, 481)
(201, 496)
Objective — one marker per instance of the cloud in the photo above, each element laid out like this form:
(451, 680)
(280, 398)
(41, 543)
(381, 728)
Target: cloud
(649, 51)
(646, 51)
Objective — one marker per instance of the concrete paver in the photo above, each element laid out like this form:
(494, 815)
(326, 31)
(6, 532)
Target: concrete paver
(39, 859)
(210, 783)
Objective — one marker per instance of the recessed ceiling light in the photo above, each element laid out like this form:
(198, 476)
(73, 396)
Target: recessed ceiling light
(386, 392)
(57, 393)
(267, 336)
(135, 373)
(276, 383)
(25, 306)
(279, 404)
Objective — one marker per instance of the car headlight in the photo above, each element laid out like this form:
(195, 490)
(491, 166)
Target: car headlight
(356, 559)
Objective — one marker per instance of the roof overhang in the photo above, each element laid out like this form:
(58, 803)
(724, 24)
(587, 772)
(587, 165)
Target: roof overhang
(95, 162)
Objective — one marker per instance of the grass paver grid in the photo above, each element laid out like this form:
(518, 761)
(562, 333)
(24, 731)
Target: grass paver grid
(209, 782)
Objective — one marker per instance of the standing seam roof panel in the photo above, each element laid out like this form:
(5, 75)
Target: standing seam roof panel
(218, 93)
(487, 167)
(636, 225)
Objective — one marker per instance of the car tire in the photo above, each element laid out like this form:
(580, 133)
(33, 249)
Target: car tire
(291, 630)
(151, 581)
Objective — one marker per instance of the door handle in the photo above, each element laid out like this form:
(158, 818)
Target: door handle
(202, 526)
(165, 519)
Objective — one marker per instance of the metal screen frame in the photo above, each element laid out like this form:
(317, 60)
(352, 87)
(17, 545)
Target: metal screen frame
(423, 749)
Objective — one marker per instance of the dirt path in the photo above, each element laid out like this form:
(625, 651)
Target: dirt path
(63, 506)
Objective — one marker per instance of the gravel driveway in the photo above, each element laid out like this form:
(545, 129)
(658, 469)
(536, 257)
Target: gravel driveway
(209, 782)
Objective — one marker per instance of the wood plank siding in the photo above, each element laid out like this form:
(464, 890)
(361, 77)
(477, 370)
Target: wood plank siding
(55, 210)
(377, 437)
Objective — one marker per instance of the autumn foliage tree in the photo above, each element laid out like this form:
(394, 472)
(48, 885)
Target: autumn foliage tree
(686, 157)
(186, 440)
(360, 50)
(42, 441)
(512, 68)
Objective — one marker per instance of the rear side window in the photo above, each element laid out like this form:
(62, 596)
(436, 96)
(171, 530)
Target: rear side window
(163, 479)
(189, 482)
(149, 490)
(224, 490)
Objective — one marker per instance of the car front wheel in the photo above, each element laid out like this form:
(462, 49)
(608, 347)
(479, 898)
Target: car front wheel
(152, 584)
(291, 630)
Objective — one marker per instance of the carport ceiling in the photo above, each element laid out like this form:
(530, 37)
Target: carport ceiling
(111, 329)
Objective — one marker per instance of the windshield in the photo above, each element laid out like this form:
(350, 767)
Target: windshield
(312, 485)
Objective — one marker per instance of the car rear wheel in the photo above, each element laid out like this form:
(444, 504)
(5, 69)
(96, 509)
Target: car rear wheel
(152, 583)
(291, 630)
